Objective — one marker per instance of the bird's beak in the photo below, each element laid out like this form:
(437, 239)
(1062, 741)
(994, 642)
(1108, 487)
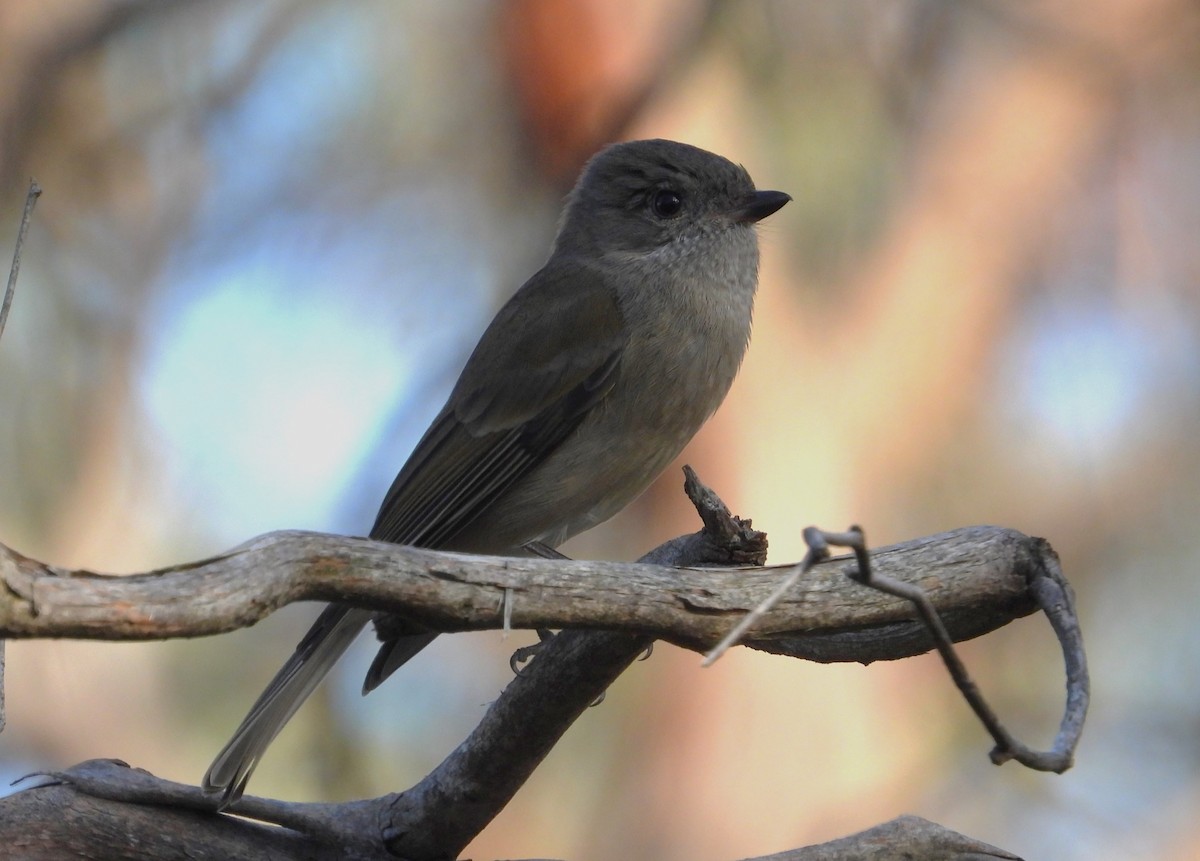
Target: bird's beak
(759, 206)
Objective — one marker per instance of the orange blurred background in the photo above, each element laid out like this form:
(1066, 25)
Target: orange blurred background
(271, 232)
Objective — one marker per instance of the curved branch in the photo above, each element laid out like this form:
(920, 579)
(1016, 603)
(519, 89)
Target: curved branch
(76, 810)
(978, 578)
(440, 815)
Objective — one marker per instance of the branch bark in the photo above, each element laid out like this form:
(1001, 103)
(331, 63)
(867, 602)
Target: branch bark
(60, 819)
(978, 578)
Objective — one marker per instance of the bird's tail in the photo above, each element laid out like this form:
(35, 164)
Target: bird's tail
(329, 637)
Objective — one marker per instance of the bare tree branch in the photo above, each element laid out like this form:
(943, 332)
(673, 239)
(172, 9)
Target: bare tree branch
(10, 290)
(63, 818)
(902, 837)
(1057, 603)
(31, 196)
(978, 579)
(439, 816)
(92, 811)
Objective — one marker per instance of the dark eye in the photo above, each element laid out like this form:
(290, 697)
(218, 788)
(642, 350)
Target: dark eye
(666, 203)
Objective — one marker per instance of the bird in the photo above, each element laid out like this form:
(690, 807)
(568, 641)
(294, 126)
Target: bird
(585, 386)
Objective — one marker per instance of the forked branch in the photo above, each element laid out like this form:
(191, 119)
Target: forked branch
(977, 579)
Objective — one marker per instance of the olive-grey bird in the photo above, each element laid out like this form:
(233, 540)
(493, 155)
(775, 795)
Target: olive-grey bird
(585, 386)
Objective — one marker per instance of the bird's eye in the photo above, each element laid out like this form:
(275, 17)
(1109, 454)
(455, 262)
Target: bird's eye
(666, 203)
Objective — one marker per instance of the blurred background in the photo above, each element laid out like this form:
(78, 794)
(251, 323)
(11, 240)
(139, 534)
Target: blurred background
(271, 232)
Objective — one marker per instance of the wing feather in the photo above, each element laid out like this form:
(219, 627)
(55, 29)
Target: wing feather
(527, 386)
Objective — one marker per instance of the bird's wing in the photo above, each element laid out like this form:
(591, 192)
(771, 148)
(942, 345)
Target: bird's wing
(529, 383)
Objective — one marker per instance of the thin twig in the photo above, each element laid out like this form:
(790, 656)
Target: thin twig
(31, 197)
(862, 572)
(1058, 759)
(1049, 589)
(508, 611)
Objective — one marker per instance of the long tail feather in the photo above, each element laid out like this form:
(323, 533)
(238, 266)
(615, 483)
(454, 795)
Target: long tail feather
(325, 642)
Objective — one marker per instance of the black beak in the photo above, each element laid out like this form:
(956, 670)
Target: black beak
(760, 205)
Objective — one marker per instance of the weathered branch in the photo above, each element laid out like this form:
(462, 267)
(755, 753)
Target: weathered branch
(902, 837)
(978, 578)
(74, 814)
(1053, 595)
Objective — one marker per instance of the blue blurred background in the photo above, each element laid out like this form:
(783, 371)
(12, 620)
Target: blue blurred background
(272, 231)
